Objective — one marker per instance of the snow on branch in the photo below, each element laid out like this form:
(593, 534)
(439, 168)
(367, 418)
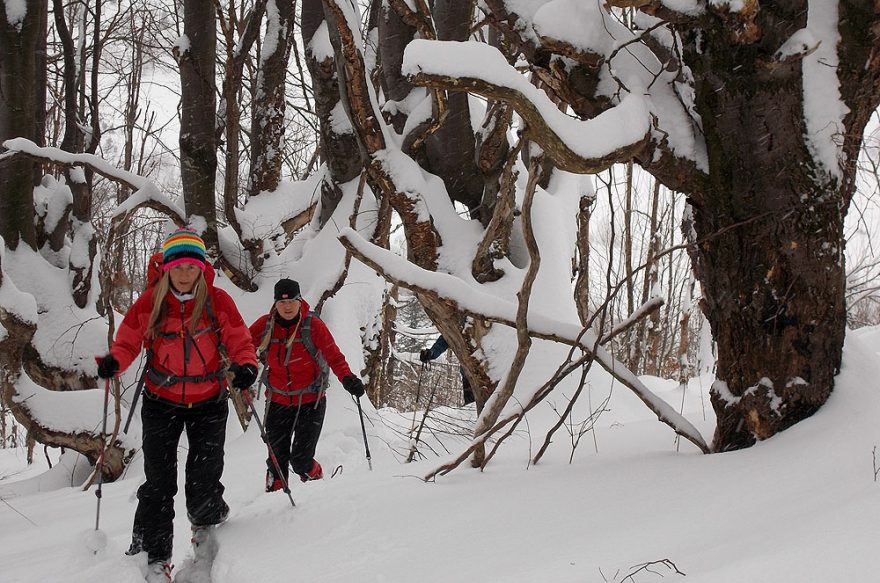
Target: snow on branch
(581, 147)
(481, 305)
(59, 156)
(676, 11)
(146, 192)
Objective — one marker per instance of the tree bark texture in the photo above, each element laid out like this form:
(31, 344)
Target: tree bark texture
(451, 150)
(394, 35)
(769, 224)
(198, 112)
(267, 129)
(19, 44)
(339, 150)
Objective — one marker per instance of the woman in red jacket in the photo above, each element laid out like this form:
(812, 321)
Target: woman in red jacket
(189, 329)
(297, 350)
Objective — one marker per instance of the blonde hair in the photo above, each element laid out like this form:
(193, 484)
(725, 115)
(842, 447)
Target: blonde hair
(270, 328)
(267, 333)
(160, 307)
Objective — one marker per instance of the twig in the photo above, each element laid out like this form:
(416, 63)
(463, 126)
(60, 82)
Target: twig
(647, 568)
(2, 499)
(876, 469)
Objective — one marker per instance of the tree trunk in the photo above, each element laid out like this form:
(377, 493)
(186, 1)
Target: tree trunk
(77, 179)
(237, 53)
(198, 112)
(267, 128)
(451, 150)
(339, 148)
(647, 330)
(19, 43)
(769, 225)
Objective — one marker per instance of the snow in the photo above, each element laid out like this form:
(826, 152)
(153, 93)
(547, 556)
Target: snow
(182, 44)
(824, 109)
(262, 215)
(320, 44)
(12, 299)
(67, 337)
(689, 7)
(68, 411)
(16, 12)
(799, 507)
(273, 31)
(581, 23)
(51, 201)
(339, 120)
(800, 43)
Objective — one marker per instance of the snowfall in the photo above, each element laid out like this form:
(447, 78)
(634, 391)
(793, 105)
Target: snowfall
(626, 503)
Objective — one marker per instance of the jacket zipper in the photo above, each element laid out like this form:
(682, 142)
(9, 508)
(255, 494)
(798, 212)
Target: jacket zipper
(287, 369)
(185, 355)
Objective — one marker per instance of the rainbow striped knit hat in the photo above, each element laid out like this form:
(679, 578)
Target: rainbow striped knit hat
(183, 246)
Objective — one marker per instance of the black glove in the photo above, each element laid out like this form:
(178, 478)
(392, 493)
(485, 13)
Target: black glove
(425, 355)
(353, 385)
(107, 366)
(243, 375)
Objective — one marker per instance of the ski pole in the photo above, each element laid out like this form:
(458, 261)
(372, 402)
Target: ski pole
(246, 394)
(137, 392)
(100, 463)
(364, 431)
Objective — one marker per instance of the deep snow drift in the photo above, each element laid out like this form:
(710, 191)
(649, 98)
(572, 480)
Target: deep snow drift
(803, 506)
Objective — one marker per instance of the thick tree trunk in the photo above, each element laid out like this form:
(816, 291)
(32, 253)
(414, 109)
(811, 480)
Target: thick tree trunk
(339, 148)
(451, 150)
(19, 43)
(769, 255)
(198, 112)
(267, 128)
(230, 121)
(394, 35)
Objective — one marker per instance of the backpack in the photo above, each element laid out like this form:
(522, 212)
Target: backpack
(322, 381)
(154, 269)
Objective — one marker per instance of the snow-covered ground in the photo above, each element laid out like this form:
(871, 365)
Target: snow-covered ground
(801, 507)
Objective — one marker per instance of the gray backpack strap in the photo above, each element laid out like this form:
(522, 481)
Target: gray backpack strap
(323, 381)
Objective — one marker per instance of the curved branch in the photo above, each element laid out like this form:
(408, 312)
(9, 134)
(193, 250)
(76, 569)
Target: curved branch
(567, 141)
(422, 238)
(502, 396)
(418, 19)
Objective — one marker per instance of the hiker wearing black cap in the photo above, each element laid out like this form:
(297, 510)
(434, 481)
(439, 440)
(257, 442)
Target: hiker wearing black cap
(298, 351)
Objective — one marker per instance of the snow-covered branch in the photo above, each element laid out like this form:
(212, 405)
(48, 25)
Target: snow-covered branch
(63, 158)
(582, 147)
(679, 11)
(482, 306)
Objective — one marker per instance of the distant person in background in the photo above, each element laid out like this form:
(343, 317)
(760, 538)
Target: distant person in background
(439, 347)
(298, 352)
(189, 328)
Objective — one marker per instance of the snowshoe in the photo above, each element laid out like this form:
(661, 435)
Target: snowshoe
(159, 572)
(316, 473)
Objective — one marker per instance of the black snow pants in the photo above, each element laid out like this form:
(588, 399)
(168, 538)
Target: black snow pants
(163, 423)
(301, 423)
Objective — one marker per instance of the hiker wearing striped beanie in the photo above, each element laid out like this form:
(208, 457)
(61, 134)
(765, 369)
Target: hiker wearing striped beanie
(193, 334)
(183, 246)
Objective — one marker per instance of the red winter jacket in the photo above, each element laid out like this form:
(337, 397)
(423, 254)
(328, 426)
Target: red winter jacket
(168, 348)
(302, 370)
